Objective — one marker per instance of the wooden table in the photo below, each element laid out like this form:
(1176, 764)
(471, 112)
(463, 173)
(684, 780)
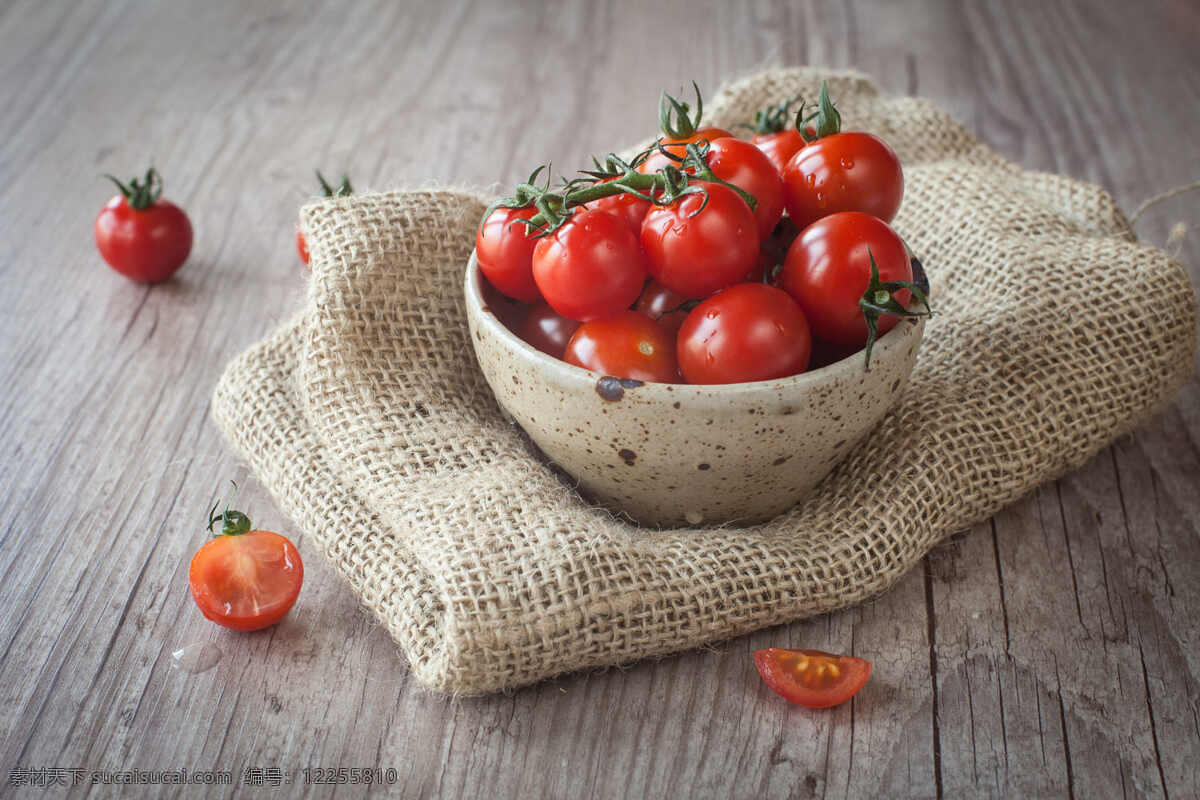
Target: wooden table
(1053, 651)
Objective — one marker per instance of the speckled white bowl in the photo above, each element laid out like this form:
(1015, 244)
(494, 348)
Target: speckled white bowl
(674, 455)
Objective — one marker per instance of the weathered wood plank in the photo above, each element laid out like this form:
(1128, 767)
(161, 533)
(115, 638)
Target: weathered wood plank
(1050, 651)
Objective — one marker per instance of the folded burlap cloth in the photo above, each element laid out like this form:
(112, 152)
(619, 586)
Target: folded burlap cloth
(369, 420)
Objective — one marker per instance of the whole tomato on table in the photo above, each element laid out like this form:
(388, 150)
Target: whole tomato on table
(141, 235)
(244, 579)
(344, 189)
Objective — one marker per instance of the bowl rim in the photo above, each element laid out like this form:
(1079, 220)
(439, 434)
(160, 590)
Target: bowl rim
(885, 346)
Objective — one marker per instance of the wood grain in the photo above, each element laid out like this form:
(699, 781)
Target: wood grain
(1050, 651)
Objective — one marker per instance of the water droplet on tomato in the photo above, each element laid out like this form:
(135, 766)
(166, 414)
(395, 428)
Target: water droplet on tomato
(196, 657)
(713, 313)
(847, 163)
(812, 180)
(821, 201)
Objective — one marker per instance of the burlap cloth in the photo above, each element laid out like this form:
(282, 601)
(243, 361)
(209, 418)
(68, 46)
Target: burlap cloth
(368, 418)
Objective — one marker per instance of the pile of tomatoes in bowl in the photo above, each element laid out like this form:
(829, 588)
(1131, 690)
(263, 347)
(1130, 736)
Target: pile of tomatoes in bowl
(709, 259)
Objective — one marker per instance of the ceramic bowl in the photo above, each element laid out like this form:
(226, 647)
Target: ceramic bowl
(676, 454)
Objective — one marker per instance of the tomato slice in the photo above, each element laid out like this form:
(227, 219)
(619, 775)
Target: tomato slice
(246, 581)
(812, 678)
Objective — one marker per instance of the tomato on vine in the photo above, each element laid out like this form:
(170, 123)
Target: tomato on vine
(744, 165)
(749, 332)
(630, 207)
(589, 266)
(838, 171)
(625, 345)
(775, 135)
(701, 242)
(812, 678)
(242, 578)
(344, 189)
(679, 128)
(141, 235)
(504, 248)
(851, 274)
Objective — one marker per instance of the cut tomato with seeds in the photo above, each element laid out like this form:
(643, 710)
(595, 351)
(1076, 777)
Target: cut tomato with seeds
(812, 678)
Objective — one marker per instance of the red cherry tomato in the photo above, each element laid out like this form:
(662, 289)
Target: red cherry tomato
(344, 189)
(628, 207)
(245, 579)
(812, 678)
(546, 329)
(844, 172)
(779, 147)
(302, 246)
(139, 234)
(696, 253)
(591, 267)
(504, 249)
(678, 148)
(625, 345)
(745, 166)
(659, 303)
(749, 332)
(828, 268)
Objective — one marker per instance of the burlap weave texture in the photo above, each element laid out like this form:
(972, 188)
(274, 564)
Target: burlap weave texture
(369, 420)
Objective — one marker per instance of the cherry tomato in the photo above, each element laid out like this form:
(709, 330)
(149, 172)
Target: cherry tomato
(590, 267)
(139, 234)
(343, 190)
(659, 303)
(628, 207)
(504, 249)
(779, 147)
(828, 268)
(302, 246)
(745, 166)
(696, 253)
(546, 329)
(843, 172)
(626, 345)
(245, 579)
(677, 147)
(749, 332)
(812, 678)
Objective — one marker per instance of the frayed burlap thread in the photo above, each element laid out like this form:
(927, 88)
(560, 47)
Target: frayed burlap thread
(368, 419)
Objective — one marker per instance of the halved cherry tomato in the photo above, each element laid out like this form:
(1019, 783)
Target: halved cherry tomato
(625, 345)
(812, 678)
(546, 329)
(696, 252)
(504, 249)
(745, 166)
(749, 332)
(828, 268)
(844, 172)
(245, 579)
(591, 267)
